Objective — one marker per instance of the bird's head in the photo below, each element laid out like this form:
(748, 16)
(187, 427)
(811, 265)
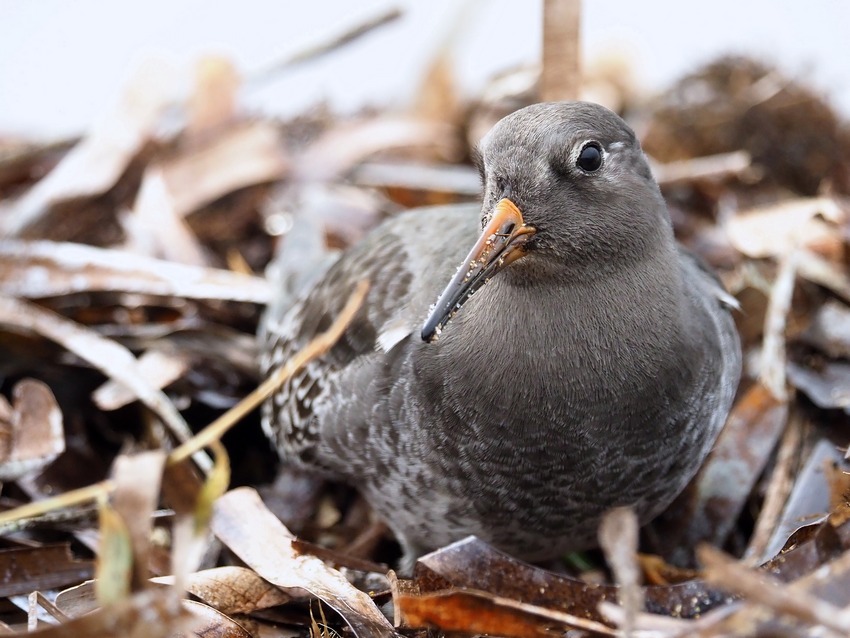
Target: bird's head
(566, 188)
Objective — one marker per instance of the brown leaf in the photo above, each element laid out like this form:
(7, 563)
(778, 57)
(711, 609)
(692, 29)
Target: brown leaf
(191, 537)
(30, 430)
(154, 228)
(809, 501)
(340, 149)
(157, 368)
(828, 386)
(213, 100)
(476, 612)
(107, 355)
(148, 614)
(25, 569)
(77, 600)
(232, 589)
(707, 167)
(211, 623)
(243, 523)
(471, 564)
(114, 557)
(417, 184)
(830, 329)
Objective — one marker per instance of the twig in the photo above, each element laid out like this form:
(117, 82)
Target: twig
(726, 572)
(560, 78)
(618, 537)
(314, 50)
(781, 482)
(708, 167)
(772, 364)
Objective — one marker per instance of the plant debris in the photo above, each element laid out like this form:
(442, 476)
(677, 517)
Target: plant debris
(131, 286)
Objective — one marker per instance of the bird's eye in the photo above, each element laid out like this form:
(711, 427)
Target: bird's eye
(590, 157)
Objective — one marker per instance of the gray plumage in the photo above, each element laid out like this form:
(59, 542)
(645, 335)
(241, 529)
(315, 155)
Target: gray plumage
(594, 371)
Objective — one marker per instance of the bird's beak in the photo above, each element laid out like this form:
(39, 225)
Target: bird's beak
(502, 242)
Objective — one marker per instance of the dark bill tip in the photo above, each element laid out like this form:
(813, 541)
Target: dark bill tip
(502, 242)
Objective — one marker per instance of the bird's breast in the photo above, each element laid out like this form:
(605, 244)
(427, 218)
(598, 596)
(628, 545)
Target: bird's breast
(559, 362)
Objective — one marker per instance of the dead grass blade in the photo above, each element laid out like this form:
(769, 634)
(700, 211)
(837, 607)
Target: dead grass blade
(36, 269)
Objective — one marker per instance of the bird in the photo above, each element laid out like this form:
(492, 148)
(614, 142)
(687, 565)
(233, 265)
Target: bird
(516, 369)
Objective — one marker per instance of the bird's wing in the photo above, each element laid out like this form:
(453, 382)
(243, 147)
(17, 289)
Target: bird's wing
(724, 363)
(709, 278)
(407, 261)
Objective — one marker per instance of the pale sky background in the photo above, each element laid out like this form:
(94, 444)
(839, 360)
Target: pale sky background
(63, 60)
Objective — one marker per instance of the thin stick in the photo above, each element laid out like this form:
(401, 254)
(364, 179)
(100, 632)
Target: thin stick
(781, 482)
(772, 364)
(707, 167)
(724, 571)
(560, 78)
(314, 50)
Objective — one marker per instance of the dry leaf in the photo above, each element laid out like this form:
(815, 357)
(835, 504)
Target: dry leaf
(114, 558)
(340, 149)
(30, 430)
(213, 100)
(148, 614)
(830, 329)
(242, 522)
(471, 564)
(107, 355)
(44, 269)
(232, 589)
(211, 623)
(808, 503)
(156, 368)
(154, 228)
(191, 533)
(244, 155)
(476, 612)
(828, 386)
(775, 230)
(47, 567)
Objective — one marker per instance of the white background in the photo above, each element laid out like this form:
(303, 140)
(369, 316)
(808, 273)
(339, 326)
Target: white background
(60, 60)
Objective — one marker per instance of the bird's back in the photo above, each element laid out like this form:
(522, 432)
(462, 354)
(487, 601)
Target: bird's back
(406, 261)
